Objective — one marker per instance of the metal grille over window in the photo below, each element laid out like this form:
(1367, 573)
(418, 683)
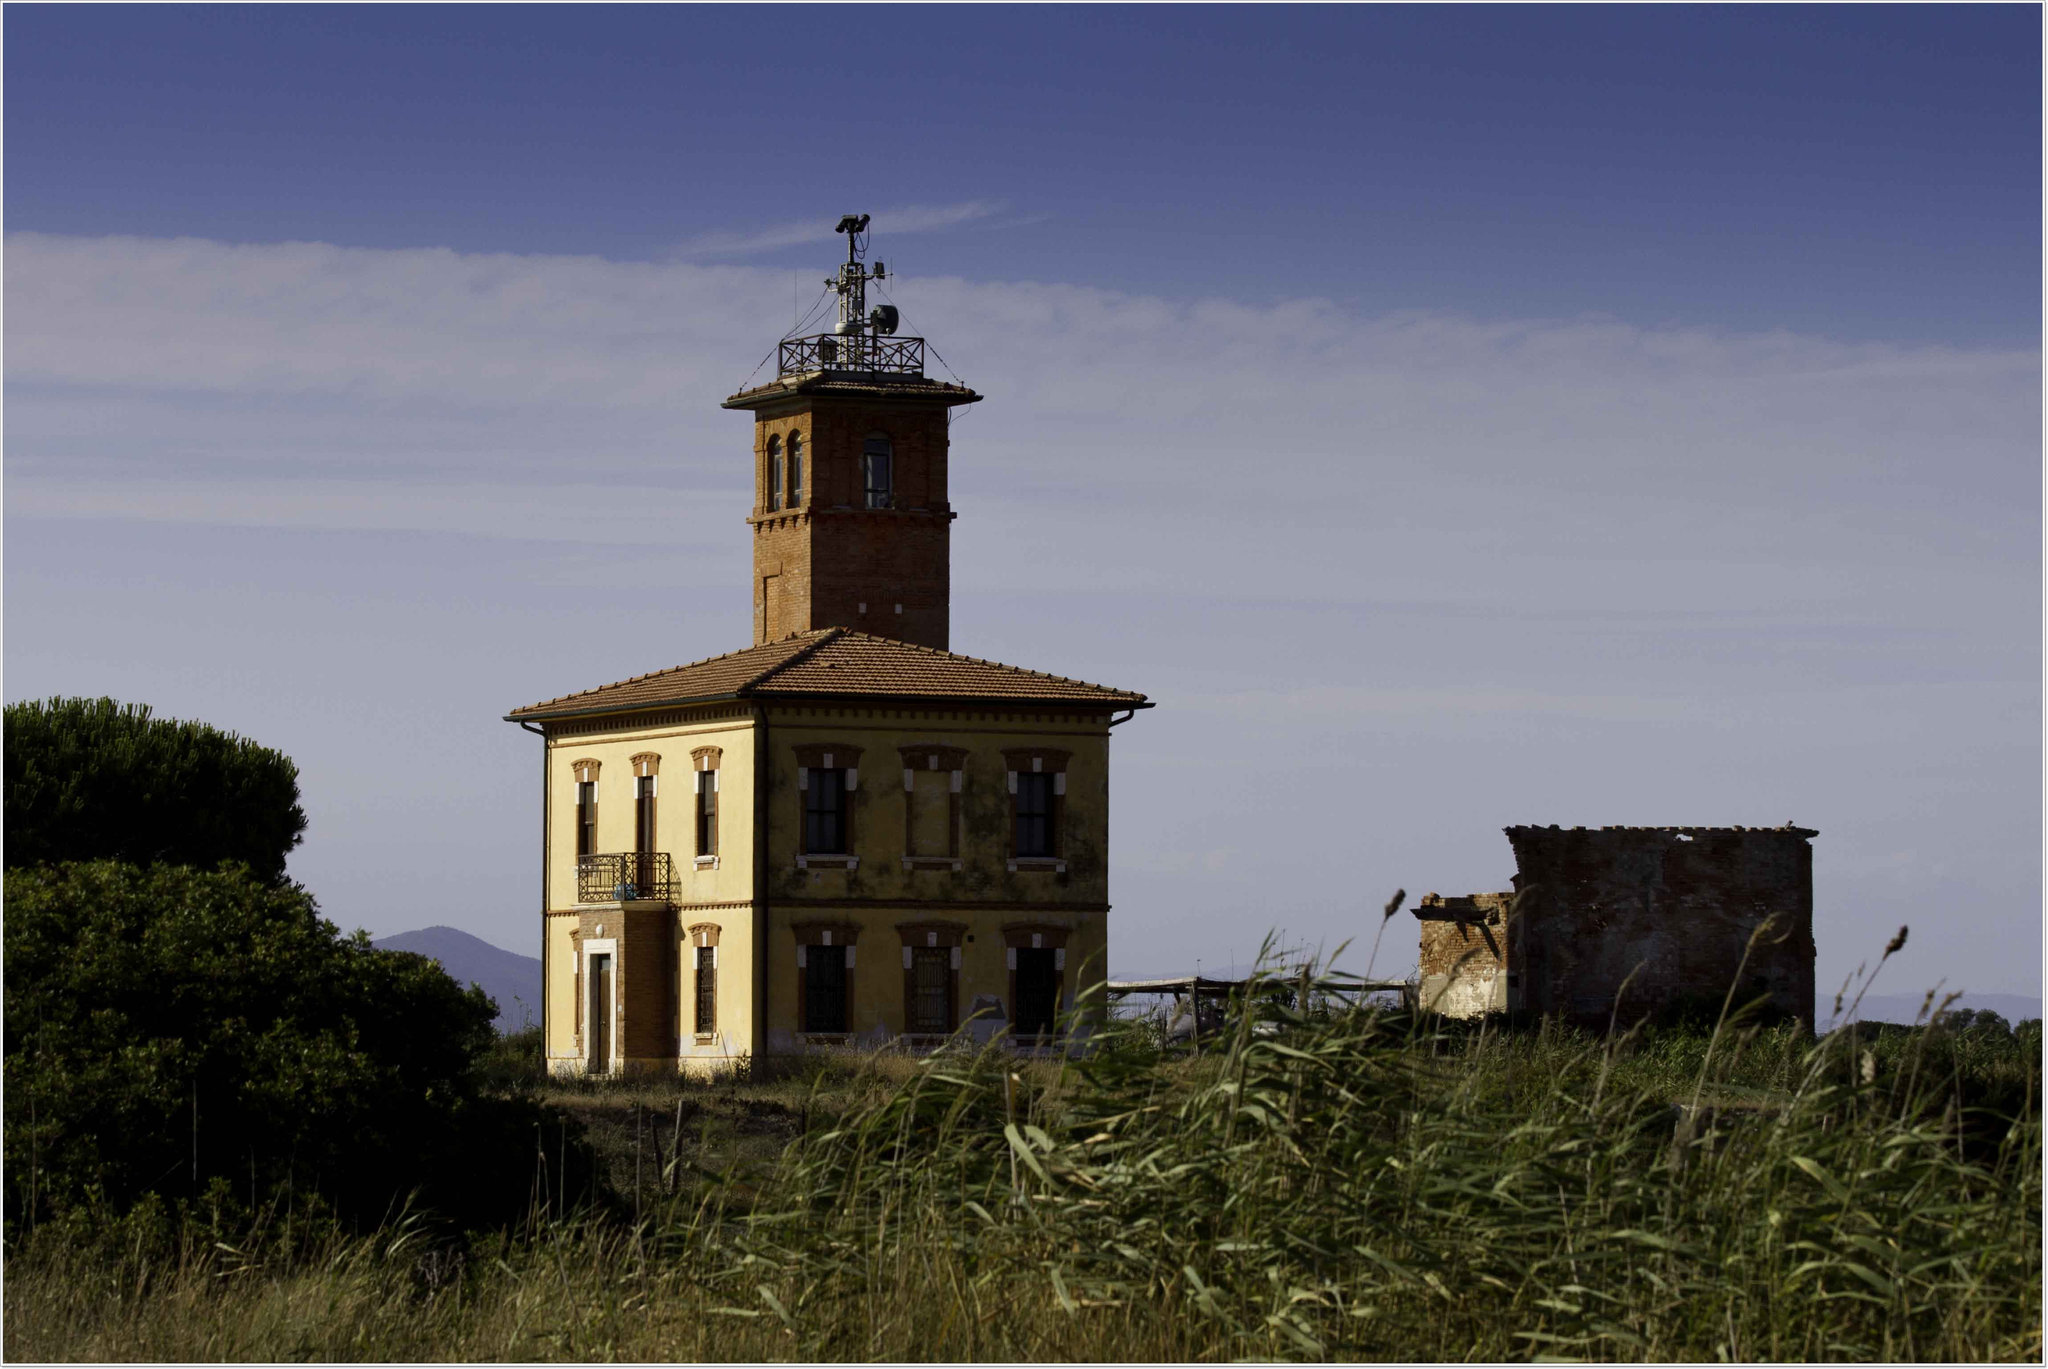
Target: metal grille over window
(931, 971)
(707, 990)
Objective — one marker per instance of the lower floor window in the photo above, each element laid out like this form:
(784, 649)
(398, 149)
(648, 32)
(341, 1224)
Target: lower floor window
(1038, 991)
(707, 990)
(825, 988)
(931, 990)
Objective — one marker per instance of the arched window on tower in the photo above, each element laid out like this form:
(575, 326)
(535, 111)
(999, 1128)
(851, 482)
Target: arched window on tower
(796, 470)
(774, 473)
(877, 460)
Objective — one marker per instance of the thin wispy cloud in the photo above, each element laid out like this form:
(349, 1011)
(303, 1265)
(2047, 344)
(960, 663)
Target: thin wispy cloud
(1399, 579)
(913, 218)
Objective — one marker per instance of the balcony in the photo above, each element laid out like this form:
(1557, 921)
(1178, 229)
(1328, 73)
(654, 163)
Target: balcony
(862, 353)
(624, 876)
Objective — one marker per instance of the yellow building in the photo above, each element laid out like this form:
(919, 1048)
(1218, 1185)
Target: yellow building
(844, 834)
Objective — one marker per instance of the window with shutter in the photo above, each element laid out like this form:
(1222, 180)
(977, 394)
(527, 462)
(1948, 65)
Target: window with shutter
(707, 812)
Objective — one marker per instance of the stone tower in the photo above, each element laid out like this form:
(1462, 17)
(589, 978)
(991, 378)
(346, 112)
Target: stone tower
(852, 525)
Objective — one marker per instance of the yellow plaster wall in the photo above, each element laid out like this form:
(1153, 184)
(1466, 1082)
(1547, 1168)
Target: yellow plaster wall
(879, 812)
(561, 973)
(731, 882)
(984, 894)
(878, 1009)
(675, 813)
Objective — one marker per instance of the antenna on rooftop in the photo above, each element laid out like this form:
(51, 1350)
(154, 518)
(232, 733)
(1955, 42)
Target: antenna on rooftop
(862, 340)
(852, 280)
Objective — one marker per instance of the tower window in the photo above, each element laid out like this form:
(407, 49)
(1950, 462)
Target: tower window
(877, 460)
(796, 470)
(774, 474)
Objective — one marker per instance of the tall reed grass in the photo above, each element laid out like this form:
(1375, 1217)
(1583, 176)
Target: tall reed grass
(1324, 1183)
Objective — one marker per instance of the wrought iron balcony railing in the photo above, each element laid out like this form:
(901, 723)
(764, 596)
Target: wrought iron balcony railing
(620, 876)
(867, 353)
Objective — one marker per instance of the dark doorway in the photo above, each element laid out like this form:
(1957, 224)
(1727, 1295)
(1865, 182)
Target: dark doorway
(824, 988)
(1038, 991)
(600, 1024)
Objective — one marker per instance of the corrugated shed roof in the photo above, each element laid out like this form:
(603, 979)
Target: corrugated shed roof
(834, 661)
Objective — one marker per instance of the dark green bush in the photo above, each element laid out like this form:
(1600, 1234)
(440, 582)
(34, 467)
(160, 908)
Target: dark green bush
(170, 1030)
(93, 779)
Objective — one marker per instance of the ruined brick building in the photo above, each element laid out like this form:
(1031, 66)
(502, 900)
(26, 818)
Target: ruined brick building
(1667, 911)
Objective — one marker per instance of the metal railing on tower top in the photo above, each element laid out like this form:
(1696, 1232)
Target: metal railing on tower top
(863, 353)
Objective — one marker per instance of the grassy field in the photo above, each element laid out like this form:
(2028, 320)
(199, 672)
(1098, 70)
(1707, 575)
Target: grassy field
(1319, 1185)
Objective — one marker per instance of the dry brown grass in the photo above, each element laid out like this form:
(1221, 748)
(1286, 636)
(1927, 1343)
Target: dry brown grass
(1348, 1187)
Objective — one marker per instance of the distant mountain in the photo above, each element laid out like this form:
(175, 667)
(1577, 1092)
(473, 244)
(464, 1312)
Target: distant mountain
(513, 980)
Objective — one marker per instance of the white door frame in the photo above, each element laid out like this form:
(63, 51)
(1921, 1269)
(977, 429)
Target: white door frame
(609, 946)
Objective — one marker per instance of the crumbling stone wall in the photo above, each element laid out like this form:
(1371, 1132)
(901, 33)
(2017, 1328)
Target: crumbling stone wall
(1464, 953)
(1640, 917)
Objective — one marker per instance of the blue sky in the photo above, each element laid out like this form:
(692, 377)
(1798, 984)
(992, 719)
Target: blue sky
(1863, 171)
(1455, 417)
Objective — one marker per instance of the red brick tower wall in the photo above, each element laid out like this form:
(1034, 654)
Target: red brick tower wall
(828, 561)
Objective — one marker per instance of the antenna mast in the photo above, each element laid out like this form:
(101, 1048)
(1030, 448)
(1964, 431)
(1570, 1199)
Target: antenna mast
(852, 280)
(863, 340)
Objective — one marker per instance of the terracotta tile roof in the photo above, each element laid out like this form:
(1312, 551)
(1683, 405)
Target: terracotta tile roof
(833, 661)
